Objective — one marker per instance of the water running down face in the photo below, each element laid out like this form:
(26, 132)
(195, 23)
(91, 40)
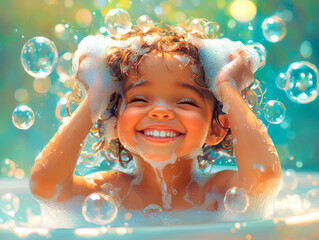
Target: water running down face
(165, 113)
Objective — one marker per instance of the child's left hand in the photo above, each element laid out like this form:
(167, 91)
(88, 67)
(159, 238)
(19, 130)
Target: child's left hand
(239, 71)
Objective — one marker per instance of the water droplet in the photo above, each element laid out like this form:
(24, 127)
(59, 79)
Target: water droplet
(39, 56)
(7, 167)
(236, 200)
(274, 112)
(289, 180)
(274, 29)
(153, 211)
(23, 117)
(9, 204)
(303, 82)
(99, 208)
(144, 23)
(117, 22)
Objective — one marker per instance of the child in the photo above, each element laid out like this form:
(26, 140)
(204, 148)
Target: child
(167, 107)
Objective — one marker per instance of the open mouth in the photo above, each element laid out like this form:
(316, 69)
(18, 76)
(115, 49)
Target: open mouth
(154, 135)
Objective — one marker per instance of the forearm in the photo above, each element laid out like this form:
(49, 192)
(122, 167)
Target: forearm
(56, 163)
(252, 143)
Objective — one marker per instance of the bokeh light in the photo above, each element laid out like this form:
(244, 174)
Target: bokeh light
(243, 10)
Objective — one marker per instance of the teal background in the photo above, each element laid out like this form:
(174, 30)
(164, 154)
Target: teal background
(23, 20)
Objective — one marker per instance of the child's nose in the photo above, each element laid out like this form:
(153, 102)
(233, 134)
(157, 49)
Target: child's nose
(160, 112)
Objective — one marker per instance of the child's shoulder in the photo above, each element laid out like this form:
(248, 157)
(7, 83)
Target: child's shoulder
(113, 177)
(218, 181)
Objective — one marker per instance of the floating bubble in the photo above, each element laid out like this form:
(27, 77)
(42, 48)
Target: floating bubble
(117, 22)
(144, 23)
(7, 167)
(261, 50)
(289, 180)
(303, 82)
(39, 56)
(23, 117)
(274, 112)
(153, 211)
(274, 29)
(236, 200)
(251, 98)
(311, 199)
(99, 208)
(9, 204)
(281, 81)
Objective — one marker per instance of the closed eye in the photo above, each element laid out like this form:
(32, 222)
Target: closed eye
(188, 101)
(138, 100)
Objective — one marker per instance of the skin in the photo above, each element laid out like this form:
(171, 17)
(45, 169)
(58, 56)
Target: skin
(162, 102)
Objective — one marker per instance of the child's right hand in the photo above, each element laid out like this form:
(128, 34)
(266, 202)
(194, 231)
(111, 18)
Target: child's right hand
(91, 71)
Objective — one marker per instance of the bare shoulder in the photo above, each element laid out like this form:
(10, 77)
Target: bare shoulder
(95, 182)
(219, 180)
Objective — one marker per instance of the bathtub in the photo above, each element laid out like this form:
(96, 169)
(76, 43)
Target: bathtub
(289, 221)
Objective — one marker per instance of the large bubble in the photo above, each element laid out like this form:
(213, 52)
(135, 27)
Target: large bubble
(9, 204)
(303, 84)
(117, 22)
(236, 200)
(274, 112)
(39, 56)
(99, 208)
(274, 29)
(23, 117)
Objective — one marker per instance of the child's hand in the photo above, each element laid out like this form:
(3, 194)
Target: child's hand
(91, 71)
(214, 56)
(239, 71)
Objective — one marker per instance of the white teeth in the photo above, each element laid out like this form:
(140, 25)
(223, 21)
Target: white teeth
(160, 134)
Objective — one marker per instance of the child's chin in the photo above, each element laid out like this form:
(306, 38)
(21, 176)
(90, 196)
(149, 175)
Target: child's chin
(160, 157)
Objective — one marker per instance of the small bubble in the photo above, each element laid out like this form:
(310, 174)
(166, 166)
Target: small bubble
(117, 22)
(274, 112)
(99, 208)
(9, 204)
(303, 82)
(144, 23)
(153, 211)
(236, 200)
(39, 57)
(23, 117)
(274, 29)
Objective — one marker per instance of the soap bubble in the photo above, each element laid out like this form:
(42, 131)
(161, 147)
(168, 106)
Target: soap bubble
(312, 199)
(152, 211)
(236, 200)
(289, 180)
(281, 81)
(39, 56)
(23, 117)
(7, 167)
(274, 29)
(251, 98)
(99, 208)
(144, 23)
(9, 204)
(117, 22)
(274, 112)
(303, 82)
(261, 50)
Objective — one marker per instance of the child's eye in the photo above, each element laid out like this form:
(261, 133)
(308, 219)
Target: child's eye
(137, 100)
(188, 101)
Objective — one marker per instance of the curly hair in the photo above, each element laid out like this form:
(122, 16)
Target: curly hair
(163, 38)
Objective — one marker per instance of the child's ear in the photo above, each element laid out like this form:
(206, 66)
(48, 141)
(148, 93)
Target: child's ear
(216, 133)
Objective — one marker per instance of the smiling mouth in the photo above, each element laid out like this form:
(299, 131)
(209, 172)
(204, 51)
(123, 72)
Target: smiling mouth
(160, 136)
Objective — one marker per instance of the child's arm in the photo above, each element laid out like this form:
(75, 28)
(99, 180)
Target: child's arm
(52, 172)
(252, 144)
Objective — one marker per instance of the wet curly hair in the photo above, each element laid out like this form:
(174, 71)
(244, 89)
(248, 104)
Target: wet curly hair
(163, 38)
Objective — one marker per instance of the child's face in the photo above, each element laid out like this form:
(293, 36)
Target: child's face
(159, 100)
